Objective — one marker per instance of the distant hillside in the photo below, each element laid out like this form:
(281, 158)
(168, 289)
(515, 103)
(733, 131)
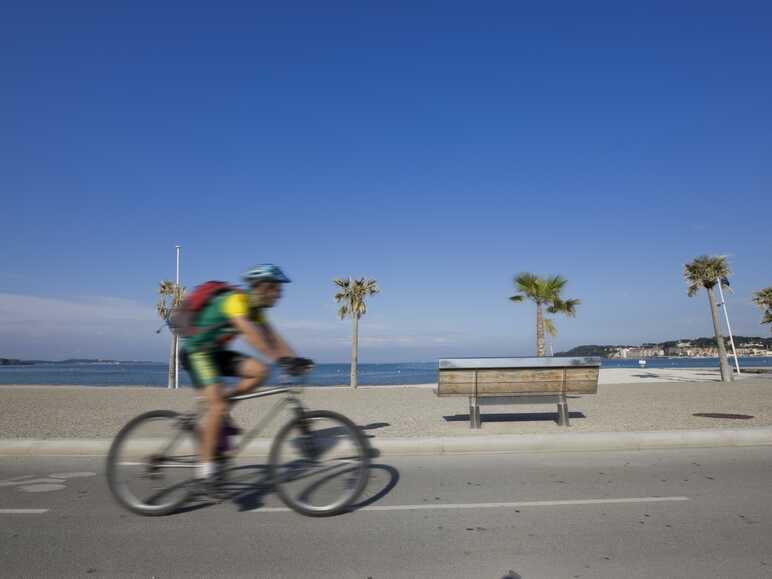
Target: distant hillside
(604, 351)
(13, 362)
(17, 362)
(84, 361)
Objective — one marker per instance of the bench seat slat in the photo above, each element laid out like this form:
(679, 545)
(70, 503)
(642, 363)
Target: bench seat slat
(517, 375)
(517, 380)
(467, 389)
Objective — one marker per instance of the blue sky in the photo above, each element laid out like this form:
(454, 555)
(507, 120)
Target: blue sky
(439, 148)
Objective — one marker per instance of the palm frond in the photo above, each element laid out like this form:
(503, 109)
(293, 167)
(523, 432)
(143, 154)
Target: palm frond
(570, 307)
(170, 296)
(528, 284)
(353, 295)
(763, 298)
(555, 283)
(550, 328)
(567, 307)
(544, 290)
(705, 271)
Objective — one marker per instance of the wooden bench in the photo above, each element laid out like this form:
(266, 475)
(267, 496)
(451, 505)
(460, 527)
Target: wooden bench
(545, 380)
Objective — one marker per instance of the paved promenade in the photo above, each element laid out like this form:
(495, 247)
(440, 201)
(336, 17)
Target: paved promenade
(691, 401)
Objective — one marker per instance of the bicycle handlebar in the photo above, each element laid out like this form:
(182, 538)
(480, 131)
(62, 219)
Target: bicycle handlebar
(295, 367)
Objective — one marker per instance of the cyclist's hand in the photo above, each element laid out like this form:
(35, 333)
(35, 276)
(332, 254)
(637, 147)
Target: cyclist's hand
(295, 366)
(304, 365)
(284, 362)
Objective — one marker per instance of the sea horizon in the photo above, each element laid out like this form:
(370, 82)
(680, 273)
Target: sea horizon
(155, 374)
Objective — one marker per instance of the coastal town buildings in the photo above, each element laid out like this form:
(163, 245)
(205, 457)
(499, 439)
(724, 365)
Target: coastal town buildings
(637, 353)
(683, 349)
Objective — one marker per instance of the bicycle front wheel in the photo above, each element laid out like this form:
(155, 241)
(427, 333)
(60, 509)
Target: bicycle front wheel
(319, 463)
(150, 467)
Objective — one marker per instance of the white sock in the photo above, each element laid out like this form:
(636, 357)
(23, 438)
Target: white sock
(204, 469)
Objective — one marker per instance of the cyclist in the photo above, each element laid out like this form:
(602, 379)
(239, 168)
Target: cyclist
(204, 356)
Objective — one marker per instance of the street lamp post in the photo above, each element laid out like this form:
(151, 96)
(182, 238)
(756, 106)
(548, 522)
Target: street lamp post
(176, 338)
(728, 327)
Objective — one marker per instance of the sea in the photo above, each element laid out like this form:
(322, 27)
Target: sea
(154, 375)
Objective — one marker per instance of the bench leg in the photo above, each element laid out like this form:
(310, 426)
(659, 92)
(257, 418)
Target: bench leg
(563, 412)
(474, 413)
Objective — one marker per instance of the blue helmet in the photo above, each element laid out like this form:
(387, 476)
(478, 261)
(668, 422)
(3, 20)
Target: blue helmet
(264, 272)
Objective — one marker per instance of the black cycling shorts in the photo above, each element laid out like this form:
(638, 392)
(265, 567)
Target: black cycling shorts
(207, 368)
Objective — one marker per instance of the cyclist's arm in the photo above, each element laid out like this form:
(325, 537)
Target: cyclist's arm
(278, 342)
(260, 340)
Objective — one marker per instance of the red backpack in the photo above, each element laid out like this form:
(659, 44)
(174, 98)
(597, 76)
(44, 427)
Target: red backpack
(183, 319)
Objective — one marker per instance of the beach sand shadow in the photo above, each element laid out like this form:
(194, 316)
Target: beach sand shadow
(661, 378)
(514, 417)
(372, 426)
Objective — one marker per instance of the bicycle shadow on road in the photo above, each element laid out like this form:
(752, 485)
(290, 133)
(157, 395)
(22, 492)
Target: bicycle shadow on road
(246, 485)
(249, 485)
(381, 483)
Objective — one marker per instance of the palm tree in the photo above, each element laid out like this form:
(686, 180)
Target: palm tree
(705, 272)
(352, 294)
(170, 297)
(544, 291)
(763, 299)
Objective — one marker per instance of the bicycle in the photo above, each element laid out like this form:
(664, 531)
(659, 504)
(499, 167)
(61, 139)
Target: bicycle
(319, 443)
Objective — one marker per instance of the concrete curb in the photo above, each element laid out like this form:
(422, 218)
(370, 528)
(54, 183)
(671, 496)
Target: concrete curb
(457, 444)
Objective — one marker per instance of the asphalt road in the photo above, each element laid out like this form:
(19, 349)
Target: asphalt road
(676, 513)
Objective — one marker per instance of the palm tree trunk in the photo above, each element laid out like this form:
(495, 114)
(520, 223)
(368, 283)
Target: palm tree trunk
(726, 372)
(354, 345)
(539, 331)
(170, 383)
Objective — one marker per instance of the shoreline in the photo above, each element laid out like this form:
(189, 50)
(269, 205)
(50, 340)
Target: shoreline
(607, 376)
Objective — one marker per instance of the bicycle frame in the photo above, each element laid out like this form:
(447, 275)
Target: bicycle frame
(190, 419)
(290, 400)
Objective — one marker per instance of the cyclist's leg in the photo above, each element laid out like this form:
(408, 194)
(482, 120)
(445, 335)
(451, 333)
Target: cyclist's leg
(205, 376)
(252, 372)
(217, 411)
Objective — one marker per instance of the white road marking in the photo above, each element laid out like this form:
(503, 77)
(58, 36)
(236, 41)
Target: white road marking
(72, 474)
(41, 488)
(23, 511)
(29, 484)
(16, 480)
(450, 506)
(29, 481)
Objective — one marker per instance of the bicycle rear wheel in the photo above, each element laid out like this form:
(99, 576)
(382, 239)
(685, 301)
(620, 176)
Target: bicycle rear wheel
(319, 463)
(150, 467)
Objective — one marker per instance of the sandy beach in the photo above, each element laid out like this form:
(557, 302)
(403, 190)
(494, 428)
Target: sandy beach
(627, 400)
